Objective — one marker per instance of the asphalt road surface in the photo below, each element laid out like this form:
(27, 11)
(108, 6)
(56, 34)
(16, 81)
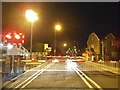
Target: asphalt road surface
(65, 76)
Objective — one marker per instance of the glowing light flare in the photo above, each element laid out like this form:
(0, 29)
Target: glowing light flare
(8, 36)
(55, 60)
(71, 65)
(22, 41)
(26, 55)
(65, 44)
(9, 46)
(1, 44)
(58, 27)
(31, 15)
(17, 36)
(23, 36)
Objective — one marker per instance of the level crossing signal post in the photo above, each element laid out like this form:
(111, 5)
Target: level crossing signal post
(13, 42)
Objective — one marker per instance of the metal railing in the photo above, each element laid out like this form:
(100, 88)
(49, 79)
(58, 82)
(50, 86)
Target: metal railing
(112, 66)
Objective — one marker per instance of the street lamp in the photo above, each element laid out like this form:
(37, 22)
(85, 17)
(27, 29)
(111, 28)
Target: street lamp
(102, 43)
(31, 17)
(57, 28)
(64, 48)
(65, 44)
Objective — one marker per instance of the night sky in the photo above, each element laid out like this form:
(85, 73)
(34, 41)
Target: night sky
(78, 20)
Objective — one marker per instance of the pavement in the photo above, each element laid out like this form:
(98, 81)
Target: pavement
(114, 68)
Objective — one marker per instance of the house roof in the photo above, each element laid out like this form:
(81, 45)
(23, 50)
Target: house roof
(104, 35)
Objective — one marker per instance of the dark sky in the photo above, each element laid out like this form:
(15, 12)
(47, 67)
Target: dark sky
(78, 20)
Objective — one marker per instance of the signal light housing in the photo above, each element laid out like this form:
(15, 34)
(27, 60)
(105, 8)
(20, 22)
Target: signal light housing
(14, 37)
(17, 36)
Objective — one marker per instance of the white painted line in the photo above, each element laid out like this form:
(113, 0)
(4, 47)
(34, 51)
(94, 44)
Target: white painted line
(56, 70)
(37, 75)
(20, 75)
(99, 87)
(30, 77)
(85, 81)
(26, 80)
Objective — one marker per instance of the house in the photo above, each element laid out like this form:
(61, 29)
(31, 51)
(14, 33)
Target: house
(93, 45)
(98, 48)
(110, 50)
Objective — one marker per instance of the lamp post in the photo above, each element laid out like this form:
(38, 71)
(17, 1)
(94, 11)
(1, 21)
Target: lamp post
(31, 17)
(57, 28)
(102, 43)
(65, 47)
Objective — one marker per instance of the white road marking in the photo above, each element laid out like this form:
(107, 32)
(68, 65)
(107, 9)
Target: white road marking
(31, 77)
(20, 75)
(55, 70)
(38, 75)
(86, 82)
(99, 87)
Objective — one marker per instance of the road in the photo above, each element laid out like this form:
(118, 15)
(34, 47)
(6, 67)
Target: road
(66, 76)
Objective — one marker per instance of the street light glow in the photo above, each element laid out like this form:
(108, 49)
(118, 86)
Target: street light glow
(65, 44)
(58, 27)
(70, 64)
(31, 15)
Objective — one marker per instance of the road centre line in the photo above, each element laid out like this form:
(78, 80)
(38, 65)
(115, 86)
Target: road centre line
(85, 81)
(31, 77)
(99, 87)
(38, 74)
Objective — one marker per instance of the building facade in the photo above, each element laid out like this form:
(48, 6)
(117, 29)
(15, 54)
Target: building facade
(93, 46)
(101, 48)
(110, 50)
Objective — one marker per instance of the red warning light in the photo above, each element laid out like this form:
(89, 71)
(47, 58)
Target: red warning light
(8, 36)
(14, 38)
(17, 36)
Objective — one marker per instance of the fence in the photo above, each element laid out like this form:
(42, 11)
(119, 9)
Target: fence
(112, 66)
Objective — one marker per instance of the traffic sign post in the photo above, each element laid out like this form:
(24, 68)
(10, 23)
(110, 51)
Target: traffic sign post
(13, 41)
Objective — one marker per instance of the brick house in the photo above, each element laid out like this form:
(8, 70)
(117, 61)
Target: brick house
(102, 48)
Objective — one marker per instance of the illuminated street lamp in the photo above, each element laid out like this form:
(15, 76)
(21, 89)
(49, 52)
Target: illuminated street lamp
(65, 44)
(57, 28)
(31, 17)
(64, 47)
